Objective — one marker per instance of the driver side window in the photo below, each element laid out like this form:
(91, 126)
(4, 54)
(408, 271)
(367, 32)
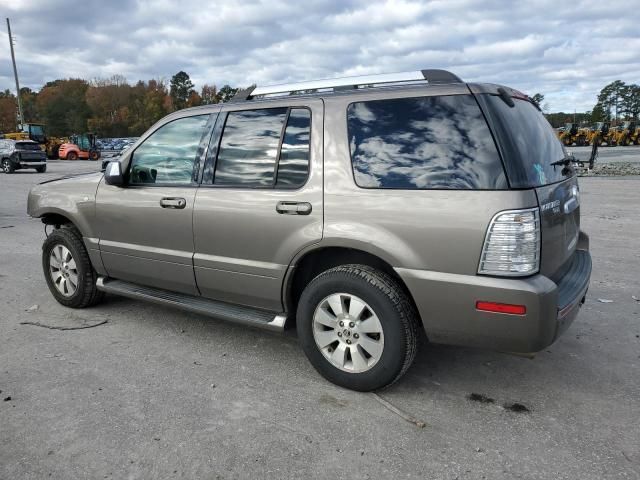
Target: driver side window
(168, 155)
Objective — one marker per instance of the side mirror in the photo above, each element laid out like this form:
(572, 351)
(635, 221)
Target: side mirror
(113, 174)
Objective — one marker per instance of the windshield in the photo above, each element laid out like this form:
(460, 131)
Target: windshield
(36, 130)
(528, 143)
(27, 146)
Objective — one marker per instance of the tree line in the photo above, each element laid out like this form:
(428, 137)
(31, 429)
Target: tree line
(115, 108)
(615, 103)
(110, 107)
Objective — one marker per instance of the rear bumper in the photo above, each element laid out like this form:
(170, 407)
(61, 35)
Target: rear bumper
(447, 305)
(32, 164)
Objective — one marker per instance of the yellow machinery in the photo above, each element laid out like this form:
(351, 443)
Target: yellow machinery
(36, 132)
(571, 134)
(626, 134)
(601, 133)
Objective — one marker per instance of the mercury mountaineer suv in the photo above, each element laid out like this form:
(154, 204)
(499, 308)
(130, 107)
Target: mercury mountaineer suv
(360, 209)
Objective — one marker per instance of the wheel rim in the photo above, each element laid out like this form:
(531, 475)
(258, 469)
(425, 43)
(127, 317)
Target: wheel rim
(63, 270)
(348, 332)
(5, 166)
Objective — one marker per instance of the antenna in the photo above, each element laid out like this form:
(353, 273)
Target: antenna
(15, 73)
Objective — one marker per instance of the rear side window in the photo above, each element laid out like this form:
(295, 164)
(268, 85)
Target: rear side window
(267, 147)
(528, 141)
(438, 142)
(293, 165)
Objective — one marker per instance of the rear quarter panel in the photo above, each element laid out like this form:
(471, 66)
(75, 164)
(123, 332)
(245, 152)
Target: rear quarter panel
(437, 230)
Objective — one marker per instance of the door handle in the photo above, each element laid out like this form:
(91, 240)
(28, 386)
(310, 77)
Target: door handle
(293, 208)
(173, 202)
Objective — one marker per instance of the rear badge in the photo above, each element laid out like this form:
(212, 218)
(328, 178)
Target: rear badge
(555, 206)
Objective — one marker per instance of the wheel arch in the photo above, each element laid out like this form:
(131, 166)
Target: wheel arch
(317, 260)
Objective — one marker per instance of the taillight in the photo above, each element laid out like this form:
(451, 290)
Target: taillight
(512, 244)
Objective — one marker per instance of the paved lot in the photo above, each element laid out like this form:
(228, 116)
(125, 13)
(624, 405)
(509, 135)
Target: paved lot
(157, 393)
(609, 154)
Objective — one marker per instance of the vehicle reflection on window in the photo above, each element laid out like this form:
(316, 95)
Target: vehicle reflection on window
(169, 154)
(425, 142)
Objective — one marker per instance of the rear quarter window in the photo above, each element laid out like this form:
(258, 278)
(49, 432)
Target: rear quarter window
(440, 142)
(528, 142)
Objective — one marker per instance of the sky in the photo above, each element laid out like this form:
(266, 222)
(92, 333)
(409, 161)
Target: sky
(566, 50)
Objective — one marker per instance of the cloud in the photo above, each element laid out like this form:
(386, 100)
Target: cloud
(565, 50)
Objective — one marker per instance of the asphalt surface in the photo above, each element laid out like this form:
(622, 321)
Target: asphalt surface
(158, 393)
(608, 154)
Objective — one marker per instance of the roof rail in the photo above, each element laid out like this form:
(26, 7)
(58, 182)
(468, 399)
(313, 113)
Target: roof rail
(345, 83)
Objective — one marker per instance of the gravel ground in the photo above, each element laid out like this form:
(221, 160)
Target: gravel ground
(158, 393)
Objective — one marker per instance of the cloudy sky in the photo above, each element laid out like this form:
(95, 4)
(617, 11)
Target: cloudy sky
(566, 50)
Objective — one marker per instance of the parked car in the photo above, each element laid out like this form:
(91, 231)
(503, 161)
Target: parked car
(362, 210)
(19, 154)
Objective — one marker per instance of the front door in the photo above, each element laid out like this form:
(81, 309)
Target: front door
(260, 201)
(145, 227)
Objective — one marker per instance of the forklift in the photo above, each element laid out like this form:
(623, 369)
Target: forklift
(80, 147)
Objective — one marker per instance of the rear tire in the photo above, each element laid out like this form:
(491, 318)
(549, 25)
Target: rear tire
(377, 341)
(41, 169)
(68, 271)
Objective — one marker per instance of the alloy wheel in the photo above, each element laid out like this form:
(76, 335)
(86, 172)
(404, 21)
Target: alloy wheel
(63, 270)
(348, 332)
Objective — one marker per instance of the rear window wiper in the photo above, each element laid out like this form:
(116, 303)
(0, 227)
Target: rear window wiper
(568, 160)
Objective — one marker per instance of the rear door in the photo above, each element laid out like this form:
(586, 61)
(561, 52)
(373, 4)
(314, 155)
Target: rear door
(146, 226)
(260, 201)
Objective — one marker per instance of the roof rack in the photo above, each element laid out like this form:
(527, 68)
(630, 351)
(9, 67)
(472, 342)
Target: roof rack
(432, 76)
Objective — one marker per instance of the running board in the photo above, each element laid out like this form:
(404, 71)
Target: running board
(232, 313)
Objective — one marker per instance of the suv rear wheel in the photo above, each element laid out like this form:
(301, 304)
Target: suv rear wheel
(357, 327)
(68, 270)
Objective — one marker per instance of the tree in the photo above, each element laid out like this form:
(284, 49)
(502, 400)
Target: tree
(181, 88)
(109, 100)
(609, 101)
(538, 98)
(8, 112)
(225, 94)
(63, 107)
(209, 94)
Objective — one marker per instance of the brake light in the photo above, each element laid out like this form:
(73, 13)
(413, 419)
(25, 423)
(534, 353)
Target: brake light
(512, 244)
(501, 308)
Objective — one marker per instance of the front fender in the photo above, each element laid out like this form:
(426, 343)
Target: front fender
(73, 198)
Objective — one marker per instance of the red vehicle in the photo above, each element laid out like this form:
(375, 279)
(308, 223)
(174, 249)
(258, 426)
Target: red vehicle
(80, 147)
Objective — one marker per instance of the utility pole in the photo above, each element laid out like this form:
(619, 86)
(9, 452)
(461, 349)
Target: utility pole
(15, 73)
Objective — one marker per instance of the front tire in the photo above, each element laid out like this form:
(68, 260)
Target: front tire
(7, 166)
(68, 270)
(357, 327)
(41, 169)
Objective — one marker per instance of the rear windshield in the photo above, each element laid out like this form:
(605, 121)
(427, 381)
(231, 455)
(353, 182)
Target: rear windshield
(27, 146)
(529, 143)
(439, 142)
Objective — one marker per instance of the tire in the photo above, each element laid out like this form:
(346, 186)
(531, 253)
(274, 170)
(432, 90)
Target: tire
(94, 155)
(7, 166)
(56, 245)
(41, 169)
(391, 352)
(72, 156)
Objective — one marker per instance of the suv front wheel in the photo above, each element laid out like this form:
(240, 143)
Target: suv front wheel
(68, 270)
(357, 327)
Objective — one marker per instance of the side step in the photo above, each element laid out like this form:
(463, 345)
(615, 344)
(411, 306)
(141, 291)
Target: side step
(232, 313)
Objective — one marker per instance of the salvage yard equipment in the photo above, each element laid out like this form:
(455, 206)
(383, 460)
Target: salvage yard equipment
(80, 147)
(571, 134)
